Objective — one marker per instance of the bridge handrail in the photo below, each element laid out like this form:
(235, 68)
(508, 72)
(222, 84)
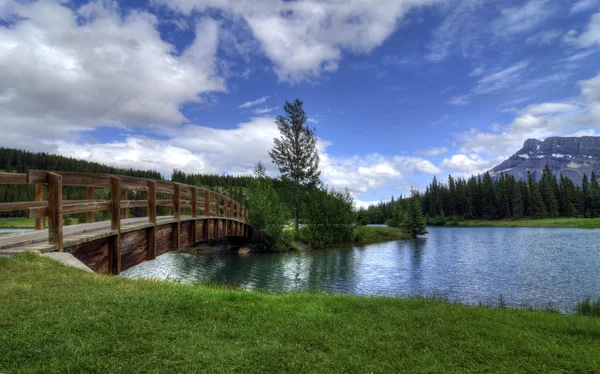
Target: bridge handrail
(49, 203)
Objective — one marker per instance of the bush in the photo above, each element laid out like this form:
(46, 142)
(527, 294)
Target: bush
(266, 214)
(329, 218)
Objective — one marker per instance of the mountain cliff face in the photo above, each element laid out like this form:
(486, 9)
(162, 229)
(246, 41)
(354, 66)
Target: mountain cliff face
(571, 157)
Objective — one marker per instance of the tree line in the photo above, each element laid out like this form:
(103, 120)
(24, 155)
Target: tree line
(504, 197)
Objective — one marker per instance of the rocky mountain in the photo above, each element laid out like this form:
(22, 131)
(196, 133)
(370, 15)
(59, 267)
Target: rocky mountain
(571, 157)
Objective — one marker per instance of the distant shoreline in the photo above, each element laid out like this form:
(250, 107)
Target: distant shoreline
(562, 222)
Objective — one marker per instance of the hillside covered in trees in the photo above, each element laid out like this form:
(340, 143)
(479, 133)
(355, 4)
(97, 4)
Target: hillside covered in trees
(483, 197)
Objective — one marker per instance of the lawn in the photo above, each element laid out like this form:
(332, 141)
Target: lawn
(59, 319)
(17, 223)
(581, 223)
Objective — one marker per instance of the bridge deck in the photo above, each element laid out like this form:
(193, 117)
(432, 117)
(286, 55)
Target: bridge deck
(81, 233)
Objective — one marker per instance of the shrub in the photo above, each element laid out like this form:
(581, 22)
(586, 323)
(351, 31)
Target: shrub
(266, 213)
(329, 218)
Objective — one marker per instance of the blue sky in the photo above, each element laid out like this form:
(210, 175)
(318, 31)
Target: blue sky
(398, 90)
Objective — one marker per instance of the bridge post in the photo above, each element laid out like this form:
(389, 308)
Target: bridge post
(177, 211)
(89, 195)
(206, 214)
(114, 257)
(39, 196)
(194, 192)
(55, 227)
(151, 238)
(226, 214)
(124, 211)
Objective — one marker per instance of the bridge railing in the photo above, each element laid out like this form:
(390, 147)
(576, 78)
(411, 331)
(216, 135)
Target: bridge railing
(179, 199)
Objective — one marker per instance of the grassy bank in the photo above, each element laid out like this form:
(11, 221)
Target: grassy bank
(371, 234)
(17, 223)
(58, 319)
(580, 223)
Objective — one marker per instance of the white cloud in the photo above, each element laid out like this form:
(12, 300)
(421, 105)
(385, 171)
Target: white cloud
(459, 100)
(519, 19)
(500, 79)
(470, 164)
(433, 151)
(589, 38)
(545, 38)
(64, 71)
(306, 38)
(583, 5)
(250, 104)
(263, 110)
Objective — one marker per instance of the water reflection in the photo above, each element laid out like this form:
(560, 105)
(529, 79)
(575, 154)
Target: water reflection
(525, 266)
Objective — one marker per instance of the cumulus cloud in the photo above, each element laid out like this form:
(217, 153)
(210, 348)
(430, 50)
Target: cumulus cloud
(303, 39)
(66, 70)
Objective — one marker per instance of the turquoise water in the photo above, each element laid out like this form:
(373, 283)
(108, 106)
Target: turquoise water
(527, 266)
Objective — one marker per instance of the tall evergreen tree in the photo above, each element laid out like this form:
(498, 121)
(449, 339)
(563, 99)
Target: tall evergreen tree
(295, 154)
(414, 223)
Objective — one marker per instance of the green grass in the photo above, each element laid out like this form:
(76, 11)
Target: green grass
(58, 319)
(580, 223)
(588, 307)
(371, 234)
(17, 223)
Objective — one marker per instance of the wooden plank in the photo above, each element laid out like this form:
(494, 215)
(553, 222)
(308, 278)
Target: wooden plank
(124, 211)
(55, 228)
(39, 196)
(152, 201)
(24, 205)
(194, 202)
(177, 211)
(168, 187)
(206, 212)
(165, 202)
(90, 206)
(71, 178)
(13, 178)
(133, 183)
(115, 224)
(89, 194)
(226, 214)
(133, 203)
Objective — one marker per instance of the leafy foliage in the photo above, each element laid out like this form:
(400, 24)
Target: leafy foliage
(266, 214)
(295, 154)
(329, 218)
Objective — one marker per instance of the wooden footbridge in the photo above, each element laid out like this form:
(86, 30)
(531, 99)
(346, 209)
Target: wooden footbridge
(193, 215)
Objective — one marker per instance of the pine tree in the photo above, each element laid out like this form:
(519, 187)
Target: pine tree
(414, 223)
(295, 153)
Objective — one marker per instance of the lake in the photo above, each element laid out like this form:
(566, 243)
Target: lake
(527, 266)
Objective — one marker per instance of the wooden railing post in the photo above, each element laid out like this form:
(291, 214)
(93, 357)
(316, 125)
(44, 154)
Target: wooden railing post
(151, 238)
(39, 196)
(177, 210)
(55, 232)
(194, 192)
(226, 214)
(124, 210)
(206, 212)
(114, 259)
(89, 194)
